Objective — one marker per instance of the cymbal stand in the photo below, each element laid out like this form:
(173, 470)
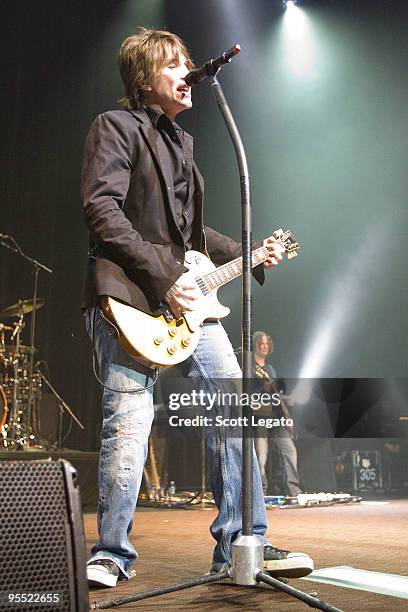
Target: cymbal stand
(37, 266)
(17, 433)
(204, 500)
(62, 407)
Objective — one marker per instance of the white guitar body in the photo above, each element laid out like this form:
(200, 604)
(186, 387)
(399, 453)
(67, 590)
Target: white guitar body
(156, 342)
(208, 306)
(163, 341)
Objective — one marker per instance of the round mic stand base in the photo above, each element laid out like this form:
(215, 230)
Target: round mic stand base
(247, 559)
(244, 557)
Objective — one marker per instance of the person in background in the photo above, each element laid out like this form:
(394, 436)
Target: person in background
(281, 437)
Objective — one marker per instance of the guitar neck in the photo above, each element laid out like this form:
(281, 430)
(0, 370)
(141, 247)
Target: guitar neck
(226, 273)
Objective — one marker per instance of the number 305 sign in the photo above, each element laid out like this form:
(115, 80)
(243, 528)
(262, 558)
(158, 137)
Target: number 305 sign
(367, 469)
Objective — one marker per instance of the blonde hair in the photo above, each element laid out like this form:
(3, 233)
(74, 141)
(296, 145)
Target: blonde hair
(142, 56)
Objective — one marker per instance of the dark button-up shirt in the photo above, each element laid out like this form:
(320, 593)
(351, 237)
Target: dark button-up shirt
(180, 150)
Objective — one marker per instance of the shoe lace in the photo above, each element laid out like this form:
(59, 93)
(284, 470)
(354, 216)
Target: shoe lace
(275, 550)
(108, 563)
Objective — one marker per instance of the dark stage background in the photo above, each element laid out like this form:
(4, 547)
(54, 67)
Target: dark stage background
(321, 101)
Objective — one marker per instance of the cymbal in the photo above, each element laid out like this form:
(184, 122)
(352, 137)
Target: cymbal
(22, 307)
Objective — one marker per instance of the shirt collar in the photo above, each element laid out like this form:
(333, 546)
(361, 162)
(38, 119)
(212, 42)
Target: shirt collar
(162, 122)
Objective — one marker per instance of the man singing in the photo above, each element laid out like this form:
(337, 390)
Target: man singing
(143, 199)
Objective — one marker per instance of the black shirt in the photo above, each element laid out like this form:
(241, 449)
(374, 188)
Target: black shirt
(180, 149)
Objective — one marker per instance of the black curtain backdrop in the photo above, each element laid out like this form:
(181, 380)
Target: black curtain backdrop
(59, 72)
(53, 86)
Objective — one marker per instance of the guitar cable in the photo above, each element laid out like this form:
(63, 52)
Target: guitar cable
(94, 359)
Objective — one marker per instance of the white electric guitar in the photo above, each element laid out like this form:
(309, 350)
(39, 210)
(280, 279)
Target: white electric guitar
(163, 341)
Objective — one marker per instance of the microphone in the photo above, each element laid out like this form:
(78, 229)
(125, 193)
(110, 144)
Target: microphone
(210, 68)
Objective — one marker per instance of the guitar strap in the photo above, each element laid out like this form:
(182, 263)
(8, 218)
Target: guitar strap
(261, 372)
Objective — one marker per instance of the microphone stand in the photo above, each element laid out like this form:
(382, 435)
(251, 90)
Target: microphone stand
(247, 549)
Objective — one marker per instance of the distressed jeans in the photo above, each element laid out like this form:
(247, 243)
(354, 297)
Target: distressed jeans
(127, 419)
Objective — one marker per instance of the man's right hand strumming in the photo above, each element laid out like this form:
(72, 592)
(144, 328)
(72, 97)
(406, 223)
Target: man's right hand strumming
(182, 295)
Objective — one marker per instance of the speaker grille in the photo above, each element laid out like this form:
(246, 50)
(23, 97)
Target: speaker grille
(33, 533)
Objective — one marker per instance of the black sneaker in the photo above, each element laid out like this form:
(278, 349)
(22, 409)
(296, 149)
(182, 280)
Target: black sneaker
(287, 564)
(102, 573)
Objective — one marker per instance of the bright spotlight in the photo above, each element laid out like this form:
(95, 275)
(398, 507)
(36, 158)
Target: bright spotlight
(298, 43)
(287, 4)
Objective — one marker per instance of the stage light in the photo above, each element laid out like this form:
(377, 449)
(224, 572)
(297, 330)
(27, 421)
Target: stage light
(289, 4)
(298, 42)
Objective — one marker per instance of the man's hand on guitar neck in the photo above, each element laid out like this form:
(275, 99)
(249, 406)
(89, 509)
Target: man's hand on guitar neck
(182, 295)
(184, 292)
(276, 251)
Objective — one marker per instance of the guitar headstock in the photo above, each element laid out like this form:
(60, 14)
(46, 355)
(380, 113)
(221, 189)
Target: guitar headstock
(288, 241)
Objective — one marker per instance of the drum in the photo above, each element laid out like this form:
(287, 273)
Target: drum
(15, 372)
(3, 408)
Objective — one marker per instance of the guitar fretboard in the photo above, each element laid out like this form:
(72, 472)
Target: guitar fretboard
(222, 275)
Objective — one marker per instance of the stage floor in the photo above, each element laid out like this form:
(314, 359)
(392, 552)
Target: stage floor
(175, 546)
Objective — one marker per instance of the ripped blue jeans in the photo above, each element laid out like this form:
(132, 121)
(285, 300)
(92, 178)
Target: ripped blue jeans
(127, 419)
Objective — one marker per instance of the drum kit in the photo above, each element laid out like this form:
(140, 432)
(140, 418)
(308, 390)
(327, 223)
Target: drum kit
(20, 385)
(20, 377)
